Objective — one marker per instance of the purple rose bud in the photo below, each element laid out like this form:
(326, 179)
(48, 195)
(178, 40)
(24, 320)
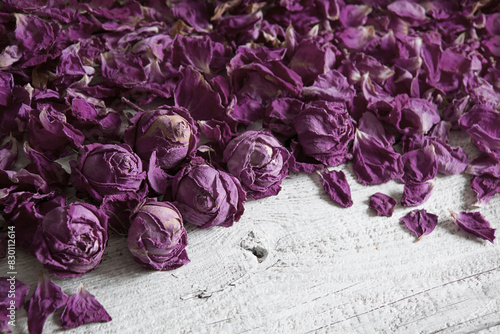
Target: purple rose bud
(324, 131)
(109, 169)
(206, 196)
(168, 131)
(71, 239)
(157, 238)
(259, 161)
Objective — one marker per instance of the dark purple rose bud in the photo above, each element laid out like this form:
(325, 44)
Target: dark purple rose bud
(208, 197)
(71, 239)
(324, 131)
(169, 131)
(109, 169)
(157, 238)
(259, 161)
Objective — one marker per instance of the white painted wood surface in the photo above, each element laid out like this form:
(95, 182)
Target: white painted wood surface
(328, 270)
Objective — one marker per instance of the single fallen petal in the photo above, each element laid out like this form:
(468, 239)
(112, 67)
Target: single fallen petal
(384, 205)
(46, 299)
(336, 186)
(420, 222)
(416, 193)
(475, 224)
(82, 308)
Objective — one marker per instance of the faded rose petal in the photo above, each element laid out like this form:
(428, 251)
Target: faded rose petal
(450, 160)
(475, 224)
(82, 308)
(420, 222)
(416, 193)
(195, 93)
(374, 163)
(384, 205)
(336, 186)
(280, 115)
(420, 165)
(482, 124)
(484, 164)
(485, 187)
(46, 299)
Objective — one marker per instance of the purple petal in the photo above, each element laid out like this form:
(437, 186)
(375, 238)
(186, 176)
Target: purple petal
(420, 222)
(46, 299)
(374, 163)
(475, 224)
(415, 194)
(82, 308)
(384, 205)
(485, 187)
(336, 186)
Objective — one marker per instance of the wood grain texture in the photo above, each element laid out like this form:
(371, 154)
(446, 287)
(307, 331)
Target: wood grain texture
(298, 263)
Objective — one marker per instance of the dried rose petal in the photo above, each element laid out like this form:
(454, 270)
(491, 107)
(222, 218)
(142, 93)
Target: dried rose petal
(485, 187)
(336, 186)
(46, 299)
(416, 193)
(420, 222)
(384, 205)
(474, 223)
(82, 308)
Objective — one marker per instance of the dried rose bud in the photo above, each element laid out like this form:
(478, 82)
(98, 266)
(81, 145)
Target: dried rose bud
(169, 131)
(157, 238)
(259, 161)
(206, 196)
(324, 131)
(103, 170)
(71, 239)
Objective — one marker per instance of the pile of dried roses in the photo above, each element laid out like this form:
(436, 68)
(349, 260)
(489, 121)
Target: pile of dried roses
(158, 99)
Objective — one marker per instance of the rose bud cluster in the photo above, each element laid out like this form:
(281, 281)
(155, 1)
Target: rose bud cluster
(157, 238)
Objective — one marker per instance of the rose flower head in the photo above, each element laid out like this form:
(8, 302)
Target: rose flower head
(71, 239)
(107, 169)
(259, 161)
(206, 196)
(169, 131)
(157, 238)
